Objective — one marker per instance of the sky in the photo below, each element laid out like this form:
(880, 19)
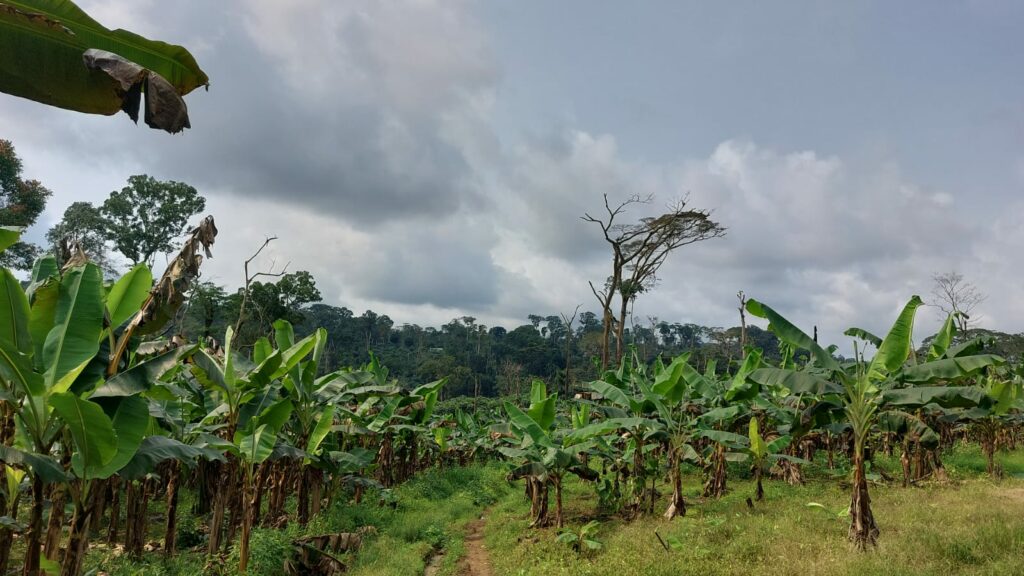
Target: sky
(431, 159)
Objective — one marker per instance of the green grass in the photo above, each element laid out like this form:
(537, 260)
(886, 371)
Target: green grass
(969, 526)
(428, 517)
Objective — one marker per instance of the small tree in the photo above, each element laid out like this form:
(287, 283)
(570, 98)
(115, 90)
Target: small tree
(144, 218)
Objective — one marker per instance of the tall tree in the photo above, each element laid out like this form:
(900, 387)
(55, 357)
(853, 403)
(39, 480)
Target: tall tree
(640, 249)
(144, 217)
(21, 203)
(954, 295)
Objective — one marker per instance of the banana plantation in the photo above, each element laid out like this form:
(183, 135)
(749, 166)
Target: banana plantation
(106, 418)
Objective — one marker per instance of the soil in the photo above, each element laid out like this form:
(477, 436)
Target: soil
(476, 562)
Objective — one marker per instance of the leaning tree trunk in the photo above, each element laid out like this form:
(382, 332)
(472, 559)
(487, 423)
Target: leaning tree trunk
(863, 530)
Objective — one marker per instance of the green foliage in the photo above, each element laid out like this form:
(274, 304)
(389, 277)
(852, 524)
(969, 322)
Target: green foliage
(21, 203)
(144, 218)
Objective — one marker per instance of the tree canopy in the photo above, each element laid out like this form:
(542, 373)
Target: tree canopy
(21, 203)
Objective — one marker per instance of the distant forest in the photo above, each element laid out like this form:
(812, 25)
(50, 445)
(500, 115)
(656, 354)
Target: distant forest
(479, 360)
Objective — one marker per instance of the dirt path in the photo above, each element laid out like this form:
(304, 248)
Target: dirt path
(476, 562)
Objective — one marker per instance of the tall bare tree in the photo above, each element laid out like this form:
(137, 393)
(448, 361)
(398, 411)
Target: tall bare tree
(952, 294)
(638, 251)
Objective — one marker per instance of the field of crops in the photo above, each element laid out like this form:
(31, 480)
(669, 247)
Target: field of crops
(258, 461)
(446, 169)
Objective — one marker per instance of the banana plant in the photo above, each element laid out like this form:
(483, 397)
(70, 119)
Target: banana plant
(243, 392)
(871, 388)
(631, 408)
(761, 453)
(546, 454)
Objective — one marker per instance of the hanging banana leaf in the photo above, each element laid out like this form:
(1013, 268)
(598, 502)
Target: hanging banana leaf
(54, 53)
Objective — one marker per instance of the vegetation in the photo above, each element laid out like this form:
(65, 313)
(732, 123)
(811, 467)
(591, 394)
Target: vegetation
(99, 411)
(54, 53)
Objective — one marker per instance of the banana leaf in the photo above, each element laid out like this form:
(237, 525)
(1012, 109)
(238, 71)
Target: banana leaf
(52, 52)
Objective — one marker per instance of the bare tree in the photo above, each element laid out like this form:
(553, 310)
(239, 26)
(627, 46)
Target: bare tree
(249, 277)
(639, 250)
(954, 295)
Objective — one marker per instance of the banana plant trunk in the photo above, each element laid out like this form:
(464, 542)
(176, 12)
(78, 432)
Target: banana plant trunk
(55, 523)
(538, 492)
(33, 540)
(115, 511)
(559, 519)
(220, 502)
(717, 477)
(758, 473)
(249, 511)
(171, 524)
(136, 512)
(863, 530)
(677, 506)
(78, 540)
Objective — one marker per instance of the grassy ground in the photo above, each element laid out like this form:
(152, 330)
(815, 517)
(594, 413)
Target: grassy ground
(429, 516)
(969, 526)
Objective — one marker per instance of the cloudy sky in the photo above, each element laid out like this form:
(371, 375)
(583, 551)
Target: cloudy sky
(431, 159)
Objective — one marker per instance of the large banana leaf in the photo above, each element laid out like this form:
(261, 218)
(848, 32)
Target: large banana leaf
(156, 449)
(529, 427)
(78, 322)
(944, 396)
(905, 424)
(14, 314)
(142, 376)
(42, 49)
(91, 430)
(942, 339)
(41, 317)
(45, 467)
(128, 293)
(258, 446)
(898, 345)
(949, 369)
(792, 335)
(321, 430)
(8, 236)
(130, 423)
(796, 382)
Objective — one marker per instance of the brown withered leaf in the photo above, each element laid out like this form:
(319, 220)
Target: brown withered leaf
(165, 108)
